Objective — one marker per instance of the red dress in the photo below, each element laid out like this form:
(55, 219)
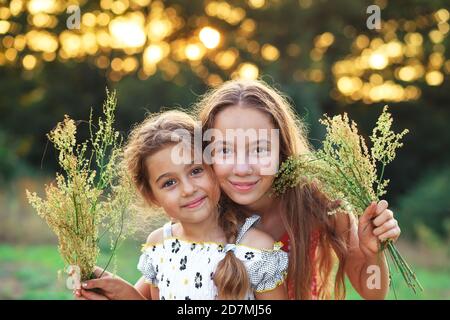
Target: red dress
(314, 242)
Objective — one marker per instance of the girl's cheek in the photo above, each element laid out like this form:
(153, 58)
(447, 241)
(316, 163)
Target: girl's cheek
(166, 195)
(210, 185)
(222, 171)
(214, 193)
(171, 202)
(266, 166)
(267, 182)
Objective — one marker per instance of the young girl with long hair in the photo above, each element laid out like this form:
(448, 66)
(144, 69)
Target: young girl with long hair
(298, 218)
(211, 252)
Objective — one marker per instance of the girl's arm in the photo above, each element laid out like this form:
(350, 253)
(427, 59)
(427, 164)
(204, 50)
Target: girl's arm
(365, 265)
(279, 293)
(148, 291)
(143, 287)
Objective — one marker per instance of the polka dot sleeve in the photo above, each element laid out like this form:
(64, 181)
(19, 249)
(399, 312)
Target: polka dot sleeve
(270, 270)
(147, 268)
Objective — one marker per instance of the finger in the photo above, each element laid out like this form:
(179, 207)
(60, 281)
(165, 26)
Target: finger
(385, 216)
(91, 295)
(368, 213)
(381, 206)
(77, 292)
(101, 283)
(391, 234)
(388, 225)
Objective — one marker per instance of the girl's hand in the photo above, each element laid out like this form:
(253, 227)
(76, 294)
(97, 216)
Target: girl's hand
(376, 225)
(106, 288)
(82, 294)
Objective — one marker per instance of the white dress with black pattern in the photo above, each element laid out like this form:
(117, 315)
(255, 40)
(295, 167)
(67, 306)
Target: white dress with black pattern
(184, 270)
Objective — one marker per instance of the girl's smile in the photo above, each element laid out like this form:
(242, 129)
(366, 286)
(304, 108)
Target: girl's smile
(244, 186)
(196, 203)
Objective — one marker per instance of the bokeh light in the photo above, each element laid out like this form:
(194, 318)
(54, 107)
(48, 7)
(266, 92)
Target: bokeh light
(210, 37)
(122, 37)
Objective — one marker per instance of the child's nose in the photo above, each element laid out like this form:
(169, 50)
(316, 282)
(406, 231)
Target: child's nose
(242, 169)
(188, 188)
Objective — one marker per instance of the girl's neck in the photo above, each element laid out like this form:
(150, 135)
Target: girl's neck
(265, 206)
(204, 231)
(269, 209)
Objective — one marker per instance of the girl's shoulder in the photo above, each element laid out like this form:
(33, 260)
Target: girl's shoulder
(251, 237)
(155, 237)
(158, 236)
(257, 239)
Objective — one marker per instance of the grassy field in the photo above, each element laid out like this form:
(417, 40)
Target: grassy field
(31, 272)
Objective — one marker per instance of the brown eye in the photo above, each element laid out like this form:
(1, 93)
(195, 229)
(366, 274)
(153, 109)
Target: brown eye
(224, 151)
(260, 150)
(197, 171)
(169, 183)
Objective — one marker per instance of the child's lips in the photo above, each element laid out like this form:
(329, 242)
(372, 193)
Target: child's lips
(194, 203)
(244, 186)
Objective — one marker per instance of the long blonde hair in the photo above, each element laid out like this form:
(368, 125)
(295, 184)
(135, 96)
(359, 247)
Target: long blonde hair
(156, 132)
(305, 208)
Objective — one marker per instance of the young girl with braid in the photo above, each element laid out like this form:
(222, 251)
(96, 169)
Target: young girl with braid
(212, 252)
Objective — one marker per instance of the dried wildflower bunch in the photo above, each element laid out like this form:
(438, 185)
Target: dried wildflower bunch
(93, 195)
(347, 171)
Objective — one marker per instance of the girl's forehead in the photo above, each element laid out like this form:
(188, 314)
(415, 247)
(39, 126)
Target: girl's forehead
(238, 117)
(245, 125)
(174, 157)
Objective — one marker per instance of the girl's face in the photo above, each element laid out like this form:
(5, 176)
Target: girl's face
(245, 182)
(186, 192)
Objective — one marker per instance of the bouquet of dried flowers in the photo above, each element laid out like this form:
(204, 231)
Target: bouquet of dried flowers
(93, 194)
(347, 171)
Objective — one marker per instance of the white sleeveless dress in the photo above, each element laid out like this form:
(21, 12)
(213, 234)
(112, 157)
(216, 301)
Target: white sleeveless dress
(184, 270)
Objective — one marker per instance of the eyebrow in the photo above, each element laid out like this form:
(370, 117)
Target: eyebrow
(222, 142)
(170, 173)
(162, 176)
(262, 141)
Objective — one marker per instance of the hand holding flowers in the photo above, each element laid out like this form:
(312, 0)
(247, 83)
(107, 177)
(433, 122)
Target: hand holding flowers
(377, 224)
(347, 171)
(92, 195)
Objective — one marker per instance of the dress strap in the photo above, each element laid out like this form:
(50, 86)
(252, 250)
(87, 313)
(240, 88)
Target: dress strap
(167, 230)
(249, 222)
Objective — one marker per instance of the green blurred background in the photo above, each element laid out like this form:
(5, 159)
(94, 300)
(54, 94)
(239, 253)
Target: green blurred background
(321, 53)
